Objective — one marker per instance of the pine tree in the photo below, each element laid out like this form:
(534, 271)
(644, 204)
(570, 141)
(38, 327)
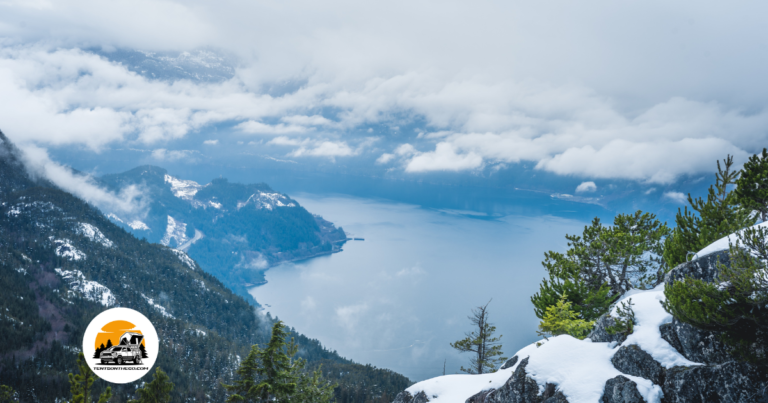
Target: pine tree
(271, 374)
(718, 216)
(560, 318)
(752, 187)
(81, 384)
(736, 305)
(157, 391)
(603, 263)
(486, 348)
(8, 395)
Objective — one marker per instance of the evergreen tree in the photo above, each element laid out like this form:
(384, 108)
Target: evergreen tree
(271, 375)
(717, 217)
(81, 384)
(157, 391)
(486, 348)
(603, 263)
(752, 187)
(8, 395)
(736, 305)
(560, 318)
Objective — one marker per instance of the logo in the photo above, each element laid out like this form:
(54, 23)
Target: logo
(120, 345)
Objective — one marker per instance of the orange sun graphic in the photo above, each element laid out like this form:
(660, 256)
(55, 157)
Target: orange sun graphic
(113, 330)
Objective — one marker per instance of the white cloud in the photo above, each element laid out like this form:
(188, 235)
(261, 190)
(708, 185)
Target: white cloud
(161, 154)
(385, 158)
(676, 197)
(211, 142)
(649, 191)
(586, 187)
(350, 315)
(128, 203)
(636, 100)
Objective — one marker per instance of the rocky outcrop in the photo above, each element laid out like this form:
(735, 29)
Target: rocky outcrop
(405, 397)
(600, 333)
(732, 382)
(621, 390)
(520, 388)
(695, 344)
(632, 360)
(509, 363)
(703, 268)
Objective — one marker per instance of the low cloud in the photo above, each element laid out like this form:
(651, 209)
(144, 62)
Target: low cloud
(586, 187)
(129, 202)
(676, 197)
(161, 154)
(308, 147)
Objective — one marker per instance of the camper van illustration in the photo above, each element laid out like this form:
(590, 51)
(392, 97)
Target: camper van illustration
(128, 350)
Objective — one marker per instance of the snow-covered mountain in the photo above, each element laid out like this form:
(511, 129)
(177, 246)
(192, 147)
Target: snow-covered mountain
(235, 231)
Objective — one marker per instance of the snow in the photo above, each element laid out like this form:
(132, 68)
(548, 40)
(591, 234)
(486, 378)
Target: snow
(184, 258)
(158, 307)
(267, 201)
(65, 249)
(138, 225)
(176, 230)
(183, 189)
(94, 234)
(90, 290)
(113, 217)
(185, 246)
(579, 368)
(21, 270)
(724, 242)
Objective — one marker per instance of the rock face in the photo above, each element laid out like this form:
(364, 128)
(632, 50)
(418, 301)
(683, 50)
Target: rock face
(405, 397)
(695, 344)
(509, 363)
(520, 388)
(600, 333)
(621, 390)
(730, 382)
(632, 360)
(703, 268)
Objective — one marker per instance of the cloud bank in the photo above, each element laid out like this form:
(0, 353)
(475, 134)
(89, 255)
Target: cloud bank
(585, 90)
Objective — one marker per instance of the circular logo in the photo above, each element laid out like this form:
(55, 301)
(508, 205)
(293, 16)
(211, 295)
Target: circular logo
(120, 345)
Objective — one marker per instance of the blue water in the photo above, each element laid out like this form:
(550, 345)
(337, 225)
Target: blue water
(398, 298)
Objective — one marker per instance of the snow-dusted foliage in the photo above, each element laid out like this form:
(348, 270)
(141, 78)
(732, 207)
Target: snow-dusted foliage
(90, 290)
(184, 258)
(176, 230)
(158, 307)
(183, 189)
(94, 234)
(65, 249)
(579, 368)
(267, 201)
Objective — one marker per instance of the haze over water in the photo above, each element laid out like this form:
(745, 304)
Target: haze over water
(398, 298)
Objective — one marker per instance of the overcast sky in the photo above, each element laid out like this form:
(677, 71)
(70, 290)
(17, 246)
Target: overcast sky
(648, 91)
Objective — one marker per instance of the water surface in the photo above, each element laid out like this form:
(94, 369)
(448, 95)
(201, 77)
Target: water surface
(398, 298)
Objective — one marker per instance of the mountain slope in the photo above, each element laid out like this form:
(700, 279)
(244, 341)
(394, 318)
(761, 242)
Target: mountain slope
(62, 262)
(234, 231)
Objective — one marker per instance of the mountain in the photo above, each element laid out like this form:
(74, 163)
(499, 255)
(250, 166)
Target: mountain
(62, 262)
(662, 360)
(235, 231)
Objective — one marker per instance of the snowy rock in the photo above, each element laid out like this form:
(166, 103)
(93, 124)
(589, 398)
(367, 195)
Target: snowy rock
(621, 390)
(175, 231)
(696, 344)
(405, 397)
(138, 225)
(90, 290)
(509, 363)
(520, 388)
(183, 189)
(633, 360)
(732, 382)
(704, 268)
(94, 234)
(65, 249)
(600, 333)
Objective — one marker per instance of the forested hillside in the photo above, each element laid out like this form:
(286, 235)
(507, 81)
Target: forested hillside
(235, 231)
(62, 262)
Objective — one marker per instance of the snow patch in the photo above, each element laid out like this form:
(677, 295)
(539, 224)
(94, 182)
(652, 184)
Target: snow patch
(158, 307)
(138, 225)
(113, 217)
(184, 258)
(266, 201)
(65, 249)
(90, 290)
(579, 368)
(724, 242)
(183, 189)
(176, 230)
(94, 234)
(22, 271)
(185, 246)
